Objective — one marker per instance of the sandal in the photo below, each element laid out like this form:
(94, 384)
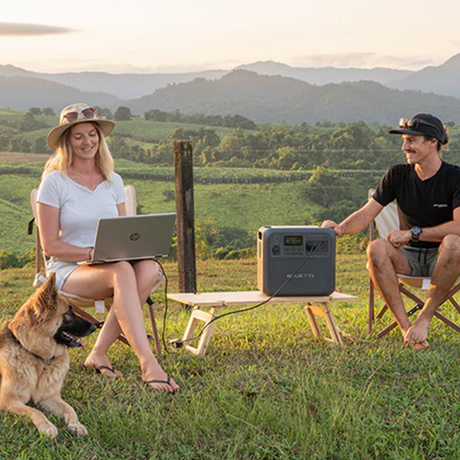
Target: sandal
(101, 367)
(167, 382)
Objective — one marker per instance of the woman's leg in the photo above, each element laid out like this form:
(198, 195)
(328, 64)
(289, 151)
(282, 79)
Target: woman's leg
(126, 312)
(147, 273)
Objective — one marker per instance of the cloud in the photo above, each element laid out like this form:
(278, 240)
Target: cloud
(335, 60)
(366, 60)
(16, 29)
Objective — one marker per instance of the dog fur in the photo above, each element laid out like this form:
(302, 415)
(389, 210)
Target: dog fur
(34, 359)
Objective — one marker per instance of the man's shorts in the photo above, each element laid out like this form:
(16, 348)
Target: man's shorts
(422, 260)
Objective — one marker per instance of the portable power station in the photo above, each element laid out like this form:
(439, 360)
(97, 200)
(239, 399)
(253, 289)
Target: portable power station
(302, 257)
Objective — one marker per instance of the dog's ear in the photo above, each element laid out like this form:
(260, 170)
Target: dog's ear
(47, 295)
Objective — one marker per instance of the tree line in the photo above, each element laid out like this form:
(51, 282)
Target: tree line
(355, 146)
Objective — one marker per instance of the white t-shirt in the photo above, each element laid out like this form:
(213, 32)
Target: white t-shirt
(80, 207)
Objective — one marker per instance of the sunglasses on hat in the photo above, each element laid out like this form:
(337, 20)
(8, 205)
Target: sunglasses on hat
(87, 114)
(413, 123)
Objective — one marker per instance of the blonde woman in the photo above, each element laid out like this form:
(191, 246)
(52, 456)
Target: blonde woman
(78, 187)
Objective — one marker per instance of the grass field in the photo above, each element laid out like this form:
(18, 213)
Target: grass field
(242, 206)
(156, 131)
(143, 131)
(267, 389)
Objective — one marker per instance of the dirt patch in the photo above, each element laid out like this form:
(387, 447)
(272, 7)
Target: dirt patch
(22, 158)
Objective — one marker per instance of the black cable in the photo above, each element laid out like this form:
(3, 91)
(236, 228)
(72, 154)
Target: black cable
(165, 314)
(253, 307)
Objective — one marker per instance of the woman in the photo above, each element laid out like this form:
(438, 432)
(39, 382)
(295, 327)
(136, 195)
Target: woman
(78, 187)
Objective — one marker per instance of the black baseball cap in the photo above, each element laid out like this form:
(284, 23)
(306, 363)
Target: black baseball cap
(422, 124)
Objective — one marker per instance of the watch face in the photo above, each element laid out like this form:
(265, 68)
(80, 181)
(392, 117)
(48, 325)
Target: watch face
(416, 232)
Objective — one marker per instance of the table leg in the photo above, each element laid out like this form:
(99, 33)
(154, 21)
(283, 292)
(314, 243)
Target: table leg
(199, 315)
(324, 311)
(313, 323)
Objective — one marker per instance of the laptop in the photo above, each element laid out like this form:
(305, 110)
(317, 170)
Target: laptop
(137, 237)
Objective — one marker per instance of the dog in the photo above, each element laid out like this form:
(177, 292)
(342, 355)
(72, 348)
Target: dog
(34, 359)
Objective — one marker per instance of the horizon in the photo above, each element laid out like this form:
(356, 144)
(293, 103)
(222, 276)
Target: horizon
(121, 72)
(152, 37)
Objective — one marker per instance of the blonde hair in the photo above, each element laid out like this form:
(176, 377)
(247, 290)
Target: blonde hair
(62, 159)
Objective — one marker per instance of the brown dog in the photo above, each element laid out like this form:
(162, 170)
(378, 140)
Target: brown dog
(34, 360)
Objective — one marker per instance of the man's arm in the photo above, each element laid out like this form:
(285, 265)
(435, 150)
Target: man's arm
(357, 221)
(439, 232)
(434, 234)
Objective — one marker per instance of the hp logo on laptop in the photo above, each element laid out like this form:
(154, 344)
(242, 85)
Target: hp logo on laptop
(134, 236)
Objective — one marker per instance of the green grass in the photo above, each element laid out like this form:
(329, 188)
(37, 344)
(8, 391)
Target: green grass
(244, 206)
(156, 131)
(16, 211)
(267, 389)
(146, 133)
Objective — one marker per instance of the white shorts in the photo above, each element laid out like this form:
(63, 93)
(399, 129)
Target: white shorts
(62, 269)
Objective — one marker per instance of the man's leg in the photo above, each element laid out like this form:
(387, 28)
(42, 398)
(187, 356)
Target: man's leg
(445, 273)
(385, 261)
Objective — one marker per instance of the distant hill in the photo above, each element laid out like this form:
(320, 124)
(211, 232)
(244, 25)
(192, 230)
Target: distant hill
(123, 86)
(130, 86)
(12, 71)
(22, 93)
(280, 99)
(325, 75)
(443, 79)
(268, 92)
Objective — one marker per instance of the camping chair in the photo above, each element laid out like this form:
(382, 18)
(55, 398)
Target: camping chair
(385, 222)
(79, 304)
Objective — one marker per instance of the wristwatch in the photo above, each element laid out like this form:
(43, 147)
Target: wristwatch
(415, 232)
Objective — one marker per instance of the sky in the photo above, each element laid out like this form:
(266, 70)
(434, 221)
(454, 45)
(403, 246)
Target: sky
(144, 36)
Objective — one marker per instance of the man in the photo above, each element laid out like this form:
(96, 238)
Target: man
(427, 191)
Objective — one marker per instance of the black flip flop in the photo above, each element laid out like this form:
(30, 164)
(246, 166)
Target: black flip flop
(97, 369)
(167, 382)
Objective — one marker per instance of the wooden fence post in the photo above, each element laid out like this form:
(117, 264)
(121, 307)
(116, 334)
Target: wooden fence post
(183, 167)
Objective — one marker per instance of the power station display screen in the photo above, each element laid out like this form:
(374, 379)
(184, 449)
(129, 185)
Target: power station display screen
(293, 240)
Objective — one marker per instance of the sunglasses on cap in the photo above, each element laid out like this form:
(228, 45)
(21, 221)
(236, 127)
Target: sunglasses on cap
(85, 114)
(413, 123)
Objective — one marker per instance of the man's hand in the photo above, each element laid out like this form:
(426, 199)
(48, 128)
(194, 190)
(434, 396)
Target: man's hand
(331, 224)
(399, 238)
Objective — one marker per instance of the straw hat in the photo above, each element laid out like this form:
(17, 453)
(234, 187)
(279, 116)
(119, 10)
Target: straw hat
(83, 113)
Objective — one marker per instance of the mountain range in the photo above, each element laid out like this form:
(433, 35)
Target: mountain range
(123, 86)
(262, 91)
(264, 98)
(324, 75)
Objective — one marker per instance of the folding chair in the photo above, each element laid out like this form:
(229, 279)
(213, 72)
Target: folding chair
(385, 222)
(79, 304)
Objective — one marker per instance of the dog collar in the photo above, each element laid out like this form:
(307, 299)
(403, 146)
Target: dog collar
(33, 354)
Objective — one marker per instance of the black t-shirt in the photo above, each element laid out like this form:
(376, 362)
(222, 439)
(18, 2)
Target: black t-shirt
(425, 203)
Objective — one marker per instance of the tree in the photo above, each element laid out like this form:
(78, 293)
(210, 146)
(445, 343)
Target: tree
(123, 113)
(35, 110)
(40, 145)
(48, 111)
(156, 115)
(8, 260)
(4, 142)
(29, 123)
(105, 113)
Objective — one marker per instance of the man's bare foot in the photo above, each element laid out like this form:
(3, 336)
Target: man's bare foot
(418, 332)
(421, 345)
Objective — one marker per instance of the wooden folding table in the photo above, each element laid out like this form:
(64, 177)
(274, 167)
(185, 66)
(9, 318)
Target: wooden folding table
(314, 306)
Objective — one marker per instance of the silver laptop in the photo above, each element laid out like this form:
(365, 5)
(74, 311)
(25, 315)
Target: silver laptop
(133, 237)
